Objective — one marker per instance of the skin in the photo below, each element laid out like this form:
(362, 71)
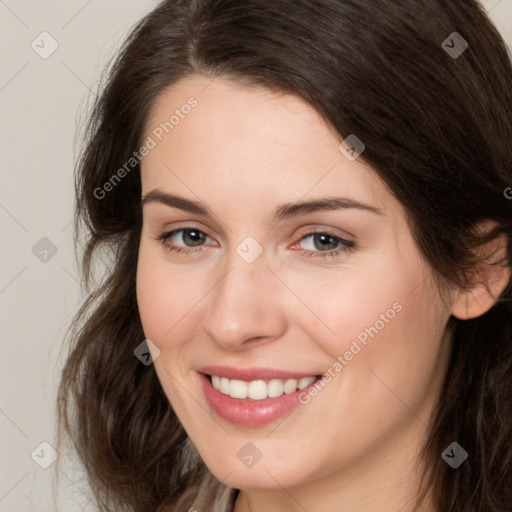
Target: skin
(242, 152)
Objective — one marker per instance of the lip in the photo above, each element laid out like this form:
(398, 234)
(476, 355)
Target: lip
(249, 374)
(250, 413)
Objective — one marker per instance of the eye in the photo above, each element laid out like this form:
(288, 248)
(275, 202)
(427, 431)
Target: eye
(323, 240)
(191, 237)
(323, 244)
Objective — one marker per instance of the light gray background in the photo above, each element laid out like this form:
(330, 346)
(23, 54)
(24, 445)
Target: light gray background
(42, 103)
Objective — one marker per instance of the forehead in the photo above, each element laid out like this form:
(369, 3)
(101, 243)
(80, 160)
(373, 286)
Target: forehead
(237, 138)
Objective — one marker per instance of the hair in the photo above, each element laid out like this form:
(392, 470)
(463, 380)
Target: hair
(437, 132)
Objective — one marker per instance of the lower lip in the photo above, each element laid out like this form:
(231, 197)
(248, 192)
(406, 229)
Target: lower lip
(250, 413)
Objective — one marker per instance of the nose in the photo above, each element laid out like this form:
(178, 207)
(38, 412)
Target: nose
(244, 306)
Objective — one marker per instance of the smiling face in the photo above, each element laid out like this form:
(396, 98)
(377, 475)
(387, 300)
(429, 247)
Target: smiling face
(250, 288)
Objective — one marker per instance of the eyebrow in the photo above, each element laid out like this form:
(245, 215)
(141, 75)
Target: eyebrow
(283, 211)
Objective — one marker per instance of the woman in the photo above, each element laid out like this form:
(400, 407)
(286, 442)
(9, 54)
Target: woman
(308, 305)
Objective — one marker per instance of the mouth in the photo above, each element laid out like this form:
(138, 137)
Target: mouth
(256, 402)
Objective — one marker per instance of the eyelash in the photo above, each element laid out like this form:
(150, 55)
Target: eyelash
(346, 245)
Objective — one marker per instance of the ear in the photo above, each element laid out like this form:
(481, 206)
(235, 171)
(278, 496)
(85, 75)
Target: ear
(487, 281)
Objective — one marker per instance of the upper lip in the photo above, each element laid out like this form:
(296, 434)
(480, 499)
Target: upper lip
(250, 374)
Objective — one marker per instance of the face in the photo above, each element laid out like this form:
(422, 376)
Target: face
(241, 282)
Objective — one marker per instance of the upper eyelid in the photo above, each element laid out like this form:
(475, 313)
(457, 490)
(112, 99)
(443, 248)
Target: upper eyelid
(311, 227)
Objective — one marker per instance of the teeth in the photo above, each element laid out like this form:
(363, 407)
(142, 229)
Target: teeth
(259, 389)
(275, 388)
(290, 386)
(237, 389)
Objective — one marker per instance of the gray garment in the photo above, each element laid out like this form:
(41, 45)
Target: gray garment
(214, 496)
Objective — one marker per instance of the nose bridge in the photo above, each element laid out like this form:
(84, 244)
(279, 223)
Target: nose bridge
(242, 304)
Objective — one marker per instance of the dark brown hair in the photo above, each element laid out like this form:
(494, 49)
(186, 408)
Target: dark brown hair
(437, 131)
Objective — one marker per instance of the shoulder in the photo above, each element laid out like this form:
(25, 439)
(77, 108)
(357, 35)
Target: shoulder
(213, 496)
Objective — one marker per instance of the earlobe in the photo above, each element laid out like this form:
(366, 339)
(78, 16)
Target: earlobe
(477, 301)
(488, 280)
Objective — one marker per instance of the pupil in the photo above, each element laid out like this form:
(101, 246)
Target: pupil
(325, 238)
(194, 235)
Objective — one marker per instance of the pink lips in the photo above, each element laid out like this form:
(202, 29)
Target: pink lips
(250, 413)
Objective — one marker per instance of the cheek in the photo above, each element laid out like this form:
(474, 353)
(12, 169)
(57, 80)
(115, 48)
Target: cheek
(392, 355)
(387, 358)
(355, 303)
(163, 303)
(168, 297)
(382, 316)
(159, 296)
(150, 297)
